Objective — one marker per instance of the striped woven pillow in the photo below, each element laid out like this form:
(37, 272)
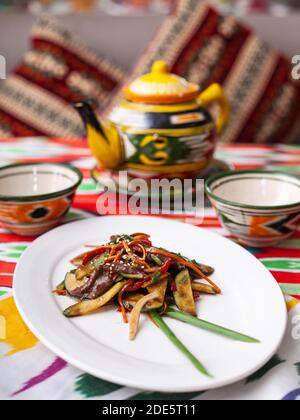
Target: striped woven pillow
(35, 99)
(205, 47)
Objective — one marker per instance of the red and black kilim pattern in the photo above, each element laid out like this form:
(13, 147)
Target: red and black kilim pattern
(231, 46)
(284, 118)
(205, 47)
(19, 127)
(36, 99)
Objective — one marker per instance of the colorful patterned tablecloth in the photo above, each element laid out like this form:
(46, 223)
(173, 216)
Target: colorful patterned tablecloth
(29, 371)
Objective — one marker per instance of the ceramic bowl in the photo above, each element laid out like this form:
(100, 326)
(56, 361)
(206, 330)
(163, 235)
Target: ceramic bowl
(260, 208)
(35, 197)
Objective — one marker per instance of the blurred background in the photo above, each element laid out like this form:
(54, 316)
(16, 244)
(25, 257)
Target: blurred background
(50, 47)
(237, 7)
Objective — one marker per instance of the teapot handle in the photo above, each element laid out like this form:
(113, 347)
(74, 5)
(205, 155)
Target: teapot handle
(215, 94)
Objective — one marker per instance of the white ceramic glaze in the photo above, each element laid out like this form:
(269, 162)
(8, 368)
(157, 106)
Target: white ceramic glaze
(35, 179)
(98, 344)
(260, 208)
(35, 197)
(259, 189)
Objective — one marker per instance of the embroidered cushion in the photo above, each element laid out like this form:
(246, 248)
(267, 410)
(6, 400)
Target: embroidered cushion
(205, 47)
(35, 99)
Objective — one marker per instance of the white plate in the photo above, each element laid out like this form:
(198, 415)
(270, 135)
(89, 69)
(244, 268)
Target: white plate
(251, 303)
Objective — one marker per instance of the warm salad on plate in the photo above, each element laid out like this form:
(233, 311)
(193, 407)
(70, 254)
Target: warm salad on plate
(136, 276)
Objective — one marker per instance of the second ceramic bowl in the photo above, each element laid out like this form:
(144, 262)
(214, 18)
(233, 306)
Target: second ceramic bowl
(260, 208)
(35, 197)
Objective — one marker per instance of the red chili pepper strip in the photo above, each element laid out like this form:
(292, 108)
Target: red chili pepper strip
(166, 266)
(136, 286)
(188, 264)
(161, 270)
(146, 242)
(90, 255)
(173, 286)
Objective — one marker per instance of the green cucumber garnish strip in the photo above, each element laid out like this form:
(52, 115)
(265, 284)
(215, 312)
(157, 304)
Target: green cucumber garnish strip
(133, 276)
(208, 326)
(180, 346)
(61, 286)
(156, 277)
(157, 260)
(100, 260)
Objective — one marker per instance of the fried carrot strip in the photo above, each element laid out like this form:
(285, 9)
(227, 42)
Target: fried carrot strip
(142, 248)
(123, 310)
(127, 248)
(140, 235)
(59, 292)
(152, 270)
(141, 242)
(120, 301)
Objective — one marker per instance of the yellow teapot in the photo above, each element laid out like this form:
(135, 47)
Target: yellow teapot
(161, 128)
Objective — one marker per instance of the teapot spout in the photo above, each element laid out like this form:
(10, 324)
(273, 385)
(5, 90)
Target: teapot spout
(103, 138)
(88, 116)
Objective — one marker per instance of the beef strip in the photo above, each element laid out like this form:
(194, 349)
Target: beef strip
(102, 281)
(82, 290)
(124, 267)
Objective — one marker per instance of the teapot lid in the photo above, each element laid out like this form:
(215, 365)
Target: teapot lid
(161, 87)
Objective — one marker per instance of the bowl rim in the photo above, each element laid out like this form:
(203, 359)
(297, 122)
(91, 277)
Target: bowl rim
(224, 174)
(46, 196)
